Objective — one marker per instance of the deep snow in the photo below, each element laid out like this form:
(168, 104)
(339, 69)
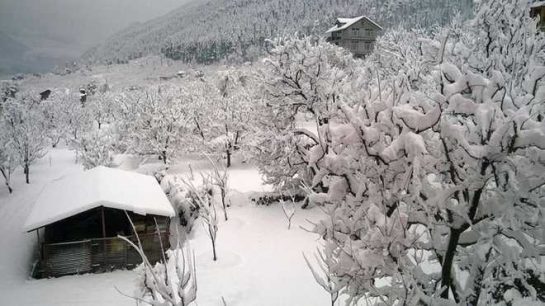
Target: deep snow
(260, 261)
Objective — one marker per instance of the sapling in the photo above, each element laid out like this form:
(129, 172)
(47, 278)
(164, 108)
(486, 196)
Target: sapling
(220, 178)
(207, 209)
(173, 282)
(288, 207)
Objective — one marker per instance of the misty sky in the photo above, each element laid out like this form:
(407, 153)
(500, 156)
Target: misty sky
(60, 29)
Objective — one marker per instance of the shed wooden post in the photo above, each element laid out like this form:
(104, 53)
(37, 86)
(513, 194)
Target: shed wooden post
(103, 242)
(39, 244)
(103, 222)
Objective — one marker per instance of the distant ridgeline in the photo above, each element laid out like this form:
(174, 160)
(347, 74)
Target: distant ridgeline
(208, 31)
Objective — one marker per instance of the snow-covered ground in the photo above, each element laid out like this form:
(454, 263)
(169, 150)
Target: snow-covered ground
(260, 261)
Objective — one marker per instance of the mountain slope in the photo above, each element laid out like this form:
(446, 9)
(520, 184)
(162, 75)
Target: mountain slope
(210, 30)
(11, 54)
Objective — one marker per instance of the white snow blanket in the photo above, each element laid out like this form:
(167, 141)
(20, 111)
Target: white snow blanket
(100, 186)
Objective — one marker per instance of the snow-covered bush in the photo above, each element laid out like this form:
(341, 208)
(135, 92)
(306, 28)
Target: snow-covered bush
(171, 282)
(207, 208)
(184, 201)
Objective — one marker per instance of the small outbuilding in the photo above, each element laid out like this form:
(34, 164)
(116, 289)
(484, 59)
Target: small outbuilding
(78, 218)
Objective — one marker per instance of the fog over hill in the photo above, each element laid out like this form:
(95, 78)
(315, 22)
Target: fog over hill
(37, 35)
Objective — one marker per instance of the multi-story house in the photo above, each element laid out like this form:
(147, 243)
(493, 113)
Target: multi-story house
(355, 34)
(538, 9)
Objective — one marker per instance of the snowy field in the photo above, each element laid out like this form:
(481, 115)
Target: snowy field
(260, 261)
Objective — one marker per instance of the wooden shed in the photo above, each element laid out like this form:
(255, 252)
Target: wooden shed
(78, 219)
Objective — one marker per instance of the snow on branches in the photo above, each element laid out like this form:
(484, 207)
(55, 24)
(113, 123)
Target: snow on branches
(432, 179)
(154, 121)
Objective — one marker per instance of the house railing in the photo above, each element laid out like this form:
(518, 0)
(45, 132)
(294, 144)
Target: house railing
(98, 255)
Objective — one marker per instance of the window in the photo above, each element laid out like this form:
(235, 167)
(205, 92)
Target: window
(369, 32)
(355, 45)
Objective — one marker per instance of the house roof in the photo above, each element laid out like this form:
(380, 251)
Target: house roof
(100, 186)
(538, 4)
(345, 23)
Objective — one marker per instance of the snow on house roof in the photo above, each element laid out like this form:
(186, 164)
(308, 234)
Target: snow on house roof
(100, 186)
(345, 23)
(538, 4)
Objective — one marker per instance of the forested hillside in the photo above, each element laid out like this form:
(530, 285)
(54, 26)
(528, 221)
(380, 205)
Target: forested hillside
(213, 30)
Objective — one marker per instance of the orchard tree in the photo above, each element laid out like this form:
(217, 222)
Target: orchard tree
(102, 107)
(155, 121)
(435, 187)
(95, 148)
(8, 156)
(231, 111)
(25, 127)
(60, 111)
(302, 78)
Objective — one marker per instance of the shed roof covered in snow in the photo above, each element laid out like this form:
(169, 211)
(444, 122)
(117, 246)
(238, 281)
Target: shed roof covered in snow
(345, 23)
(538, 4)
(100, 186)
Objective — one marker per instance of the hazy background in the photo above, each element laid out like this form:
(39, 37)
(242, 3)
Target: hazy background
(35, 35)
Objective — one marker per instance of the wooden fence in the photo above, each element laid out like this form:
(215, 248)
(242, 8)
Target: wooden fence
(98, 255)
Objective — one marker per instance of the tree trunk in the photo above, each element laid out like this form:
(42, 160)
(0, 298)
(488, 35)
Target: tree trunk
(164, 157)
(228, 157)
(214, 249)
(6, 179)
(27, 172)
(223, 203)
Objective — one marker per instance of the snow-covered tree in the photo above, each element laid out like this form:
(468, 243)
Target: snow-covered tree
(221, 110)
(432, 177)
(302, 79)
(231, 112)
(102, 107)
(25, 127)
(59, 111)
(154, 121)
(448, 176)
(220, 179)
(95, 148)
(8, 156)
